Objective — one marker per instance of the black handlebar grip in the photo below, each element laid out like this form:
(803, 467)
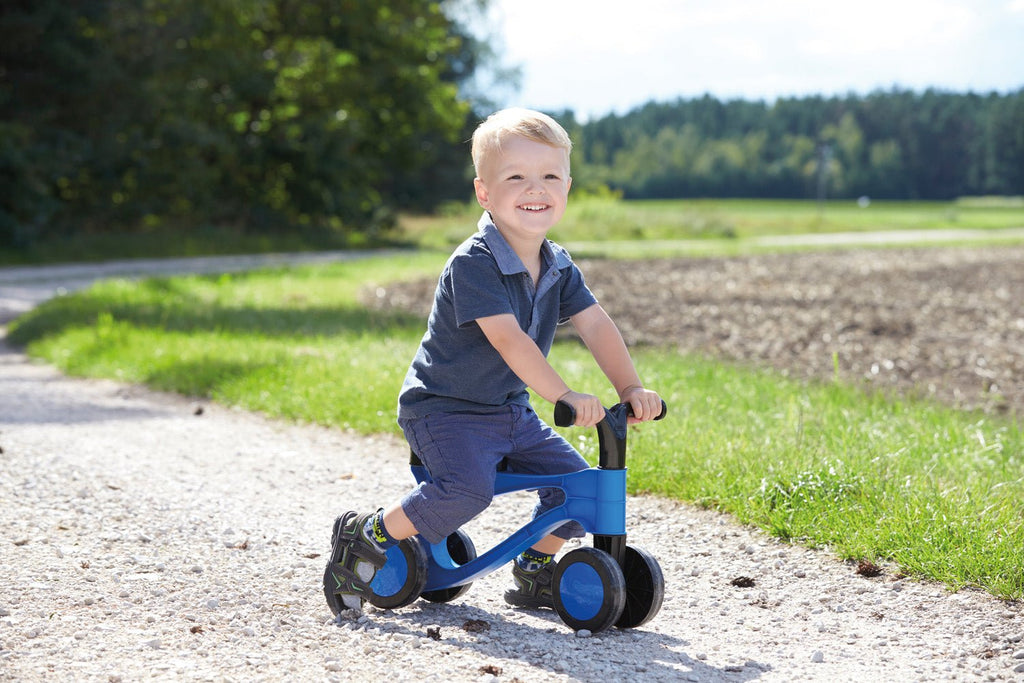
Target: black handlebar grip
(565, 414)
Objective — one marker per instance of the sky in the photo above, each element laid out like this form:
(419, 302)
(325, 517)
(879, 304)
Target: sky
(603, 56)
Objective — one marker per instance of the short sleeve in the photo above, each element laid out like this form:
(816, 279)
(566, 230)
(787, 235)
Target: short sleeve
(575, 296)
(476, 288)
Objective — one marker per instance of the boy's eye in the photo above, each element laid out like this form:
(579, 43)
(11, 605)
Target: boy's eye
(547, 176)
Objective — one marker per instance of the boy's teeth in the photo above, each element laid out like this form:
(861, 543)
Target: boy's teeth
(533, 207)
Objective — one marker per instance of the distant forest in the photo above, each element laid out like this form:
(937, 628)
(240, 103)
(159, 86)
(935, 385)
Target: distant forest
(894, 144)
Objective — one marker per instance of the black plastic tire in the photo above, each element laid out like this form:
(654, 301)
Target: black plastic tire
(462, 550)
(645, 588)
(400, 581)
(588, 590)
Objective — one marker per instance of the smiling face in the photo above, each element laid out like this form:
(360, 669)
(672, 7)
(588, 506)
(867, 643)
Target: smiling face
(525, 186)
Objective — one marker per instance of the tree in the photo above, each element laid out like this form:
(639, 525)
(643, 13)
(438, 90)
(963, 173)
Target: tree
(55, 124)
(261, 114)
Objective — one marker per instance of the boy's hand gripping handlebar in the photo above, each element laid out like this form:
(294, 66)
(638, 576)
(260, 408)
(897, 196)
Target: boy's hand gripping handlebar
(611, 431)
(565, 414)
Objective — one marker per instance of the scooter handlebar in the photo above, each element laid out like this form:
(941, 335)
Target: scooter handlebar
(565, 414)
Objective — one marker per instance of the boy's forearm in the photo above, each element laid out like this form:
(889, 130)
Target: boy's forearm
(524, 358)
(533, 368)
(614, 360)
(605, 342)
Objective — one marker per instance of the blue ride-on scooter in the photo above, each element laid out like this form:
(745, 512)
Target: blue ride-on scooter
(593, 588)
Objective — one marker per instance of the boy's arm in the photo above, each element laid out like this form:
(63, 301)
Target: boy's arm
(525, 359)
(602, 337)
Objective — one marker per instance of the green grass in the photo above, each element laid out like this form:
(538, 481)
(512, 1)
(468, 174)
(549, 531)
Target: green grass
(295, 343)
(603, 226)
(593, 226)
(939, 492)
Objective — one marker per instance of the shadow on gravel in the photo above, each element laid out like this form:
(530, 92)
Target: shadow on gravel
(69, 411)
(17, 406)
(72, 412)
(631, 654)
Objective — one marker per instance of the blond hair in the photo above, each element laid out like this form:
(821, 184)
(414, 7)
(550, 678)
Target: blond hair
(501, 125)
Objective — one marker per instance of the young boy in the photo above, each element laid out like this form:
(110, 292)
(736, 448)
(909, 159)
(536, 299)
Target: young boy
(464, 404)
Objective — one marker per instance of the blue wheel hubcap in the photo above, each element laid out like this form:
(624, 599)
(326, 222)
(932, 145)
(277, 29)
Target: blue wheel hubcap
(582, 591)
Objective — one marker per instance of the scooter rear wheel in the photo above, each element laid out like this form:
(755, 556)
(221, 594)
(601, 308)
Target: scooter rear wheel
(588, 590)
(461, 549)
(645, 588)
(402, 578)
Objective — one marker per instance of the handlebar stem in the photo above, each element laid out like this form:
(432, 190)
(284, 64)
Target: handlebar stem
(611, 431)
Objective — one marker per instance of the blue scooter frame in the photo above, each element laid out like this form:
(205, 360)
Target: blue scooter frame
(592, 588)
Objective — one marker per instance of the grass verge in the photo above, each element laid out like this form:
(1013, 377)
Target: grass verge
(605, 226)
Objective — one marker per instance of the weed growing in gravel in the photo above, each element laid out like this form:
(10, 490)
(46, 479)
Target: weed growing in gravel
(937, 491)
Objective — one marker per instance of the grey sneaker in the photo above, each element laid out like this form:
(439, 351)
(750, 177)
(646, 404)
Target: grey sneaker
(354, 562)
(532, 589)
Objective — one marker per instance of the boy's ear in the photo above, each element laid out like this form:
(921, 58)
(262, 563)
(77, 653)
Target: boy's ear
(481, 193)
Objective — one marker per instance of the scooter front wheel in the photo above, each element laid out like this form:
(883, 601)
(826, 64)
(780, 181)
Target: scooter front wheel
(402, 578)
(645, 588)
(588, 590)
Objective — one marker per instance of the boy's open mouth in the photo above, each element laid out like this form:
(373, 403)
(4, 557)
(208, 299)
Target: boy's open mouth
(533, 207)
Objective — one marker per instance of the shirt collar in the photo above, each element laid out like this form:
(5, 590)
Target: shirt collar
(508, 260)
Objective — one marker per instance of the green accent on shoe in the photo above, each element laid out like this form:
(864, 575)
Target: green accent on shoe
(532, 589)
(352, 565)
(378, 530)
(531, 560)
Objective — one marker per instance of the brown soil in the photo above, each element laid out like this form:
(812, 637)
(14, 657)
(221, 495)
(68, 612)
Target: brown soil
(945, 323)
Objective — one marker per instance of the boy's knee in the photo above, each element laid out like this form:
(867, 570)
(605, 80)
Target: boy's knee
(440, 518)
(471, 505)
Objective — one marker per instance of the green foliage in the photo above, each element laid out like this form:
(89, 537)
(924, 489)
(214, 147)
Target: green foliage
(270, 115)
(887, 145)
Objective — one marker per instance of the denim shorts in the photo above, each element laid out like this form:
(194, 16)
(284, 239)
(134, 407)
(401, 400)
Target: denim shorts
(461, 451)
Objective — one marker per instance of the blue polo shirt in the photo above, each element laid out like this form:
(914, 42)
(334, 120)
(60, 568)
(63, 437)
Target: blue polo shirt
(455, 368)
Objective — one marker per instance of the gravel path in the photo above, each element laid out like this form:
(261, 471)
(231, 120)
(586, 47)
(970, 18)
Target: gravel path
(146, 539)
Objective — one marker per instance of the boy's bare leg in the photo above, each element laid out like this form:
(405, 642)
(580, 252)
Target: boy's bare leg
(549, 545)
(398, 523)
